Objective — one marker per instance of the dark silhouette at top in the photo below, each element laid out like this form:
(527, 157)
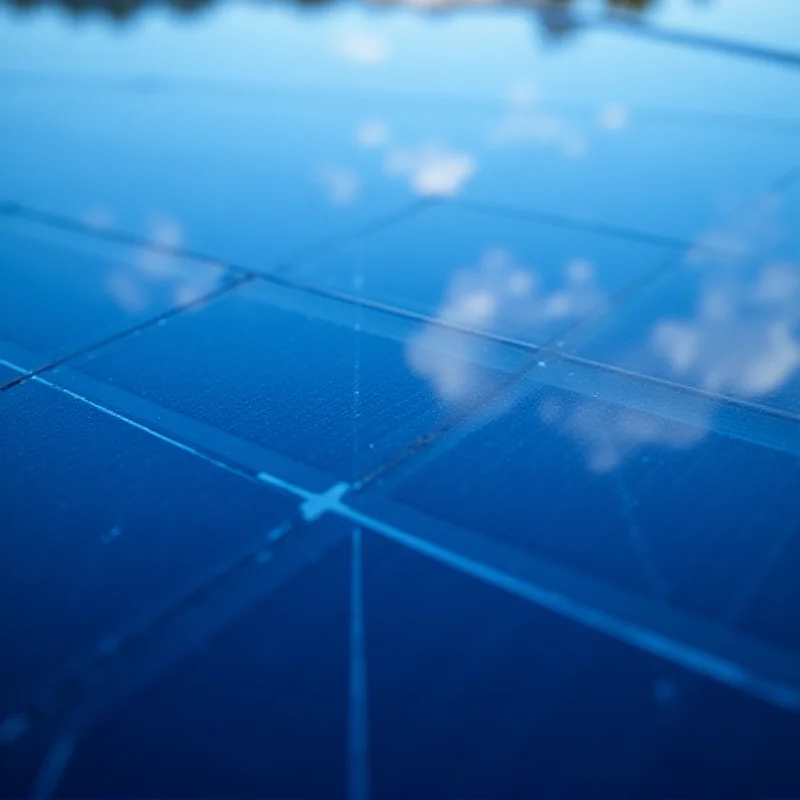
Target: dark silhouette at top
(555, 14)
(558, 20)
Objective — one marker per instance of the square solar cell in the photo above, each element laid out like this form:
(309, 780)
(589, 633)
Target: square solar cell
(619, 493)
(501, 273)
(104, 526)
(395, 674)
(633, 167)
(278, 176)
(62, 292)
(282, 174)
(326, 384)
(653, 510)
(726, 322)
(474, 692)
(273, 716)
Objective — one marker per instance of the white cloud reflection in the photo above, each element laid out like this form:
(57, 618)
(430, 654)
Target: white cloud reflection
(432, 170)
(740, 338)
(609, 433)
(743, 335)
(156, 278)
(738, 334)
(498, 295)
(527, 121)
(750, 231)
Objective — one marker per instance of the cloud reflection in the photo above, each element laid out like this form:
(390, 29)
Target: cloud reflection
(527, 121)
(609, 434)
(728, 321)
(158, 278)
(432, 170)
(742, 338)
(498, 295)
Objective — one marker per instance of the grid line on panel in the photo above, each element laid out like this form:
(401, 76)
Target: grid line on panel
(241, 275)
(314, 505)
(260, 550)
(502, 392)
(482, 413)
(231, 285)
(82, 673)
(698, 41)
(71, 225)
(68, 224)
(550, 349)
(547, 351)
(358, 739)
(543, 351)
(341, 239)
(688, 656)
(665, 383)
(119, 236)
(133, 423)
(92, 688)
(569, 223)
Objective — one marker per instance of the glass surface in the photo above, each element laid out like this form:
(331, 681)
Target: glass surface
(399, 398)
(503, 725)
(271, 176)
(317, 380)
(419, 618)
(61, 293)
(625, 481)
(502, 274)
(104, 527)
(256, 679)
(388, 49)
(267, 177)
(724, 321)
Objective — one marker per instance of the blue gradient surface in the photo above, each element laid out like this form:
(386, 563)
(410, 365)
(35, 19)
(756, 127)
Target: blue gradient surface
(399, 400)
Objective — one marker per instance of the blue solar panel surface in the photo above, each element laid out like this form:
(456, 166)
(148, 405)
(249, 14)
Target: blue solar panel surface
(381, 416)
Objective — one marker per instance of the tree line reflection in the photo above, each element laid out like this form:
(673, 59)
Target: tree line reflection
(556, 16)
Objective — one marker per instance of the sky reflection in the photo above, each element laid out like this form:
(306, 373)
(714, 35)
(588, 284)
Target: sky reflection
(726, 320)
(284, 170)
(511, 288)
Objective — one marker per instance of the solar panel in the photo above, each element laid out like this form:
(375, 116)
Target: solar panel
(399, 407)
